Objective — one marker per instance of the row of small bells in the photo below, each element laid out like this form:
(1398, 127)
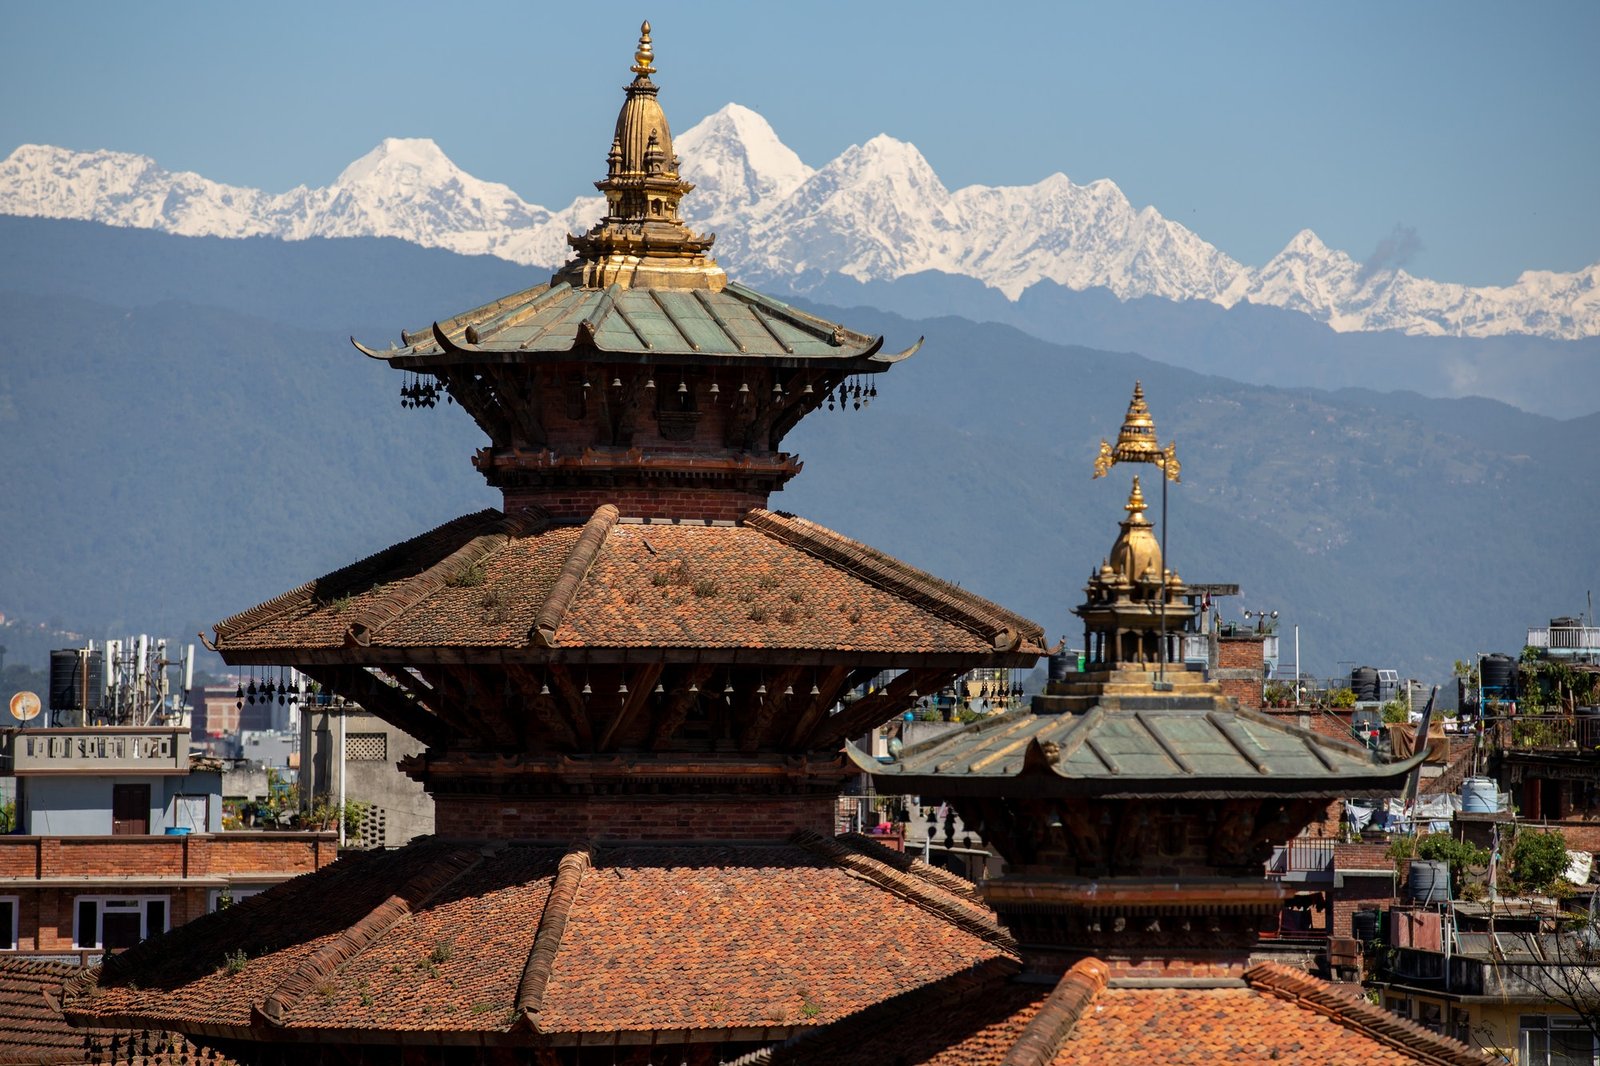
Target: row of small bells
(418, 392)
(283, 689)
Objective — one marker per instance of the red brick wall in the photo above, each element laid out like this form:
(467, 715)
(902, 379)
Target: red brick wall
(1357, 894)
(631, 818)
(1247, 690)
(1240, 653)
(699, 503)
(45, 913)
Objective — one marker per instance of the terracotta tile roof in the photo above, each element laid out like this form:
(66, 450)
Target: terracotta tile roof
(552, 943)
(1277, 1016)
(33, 1032)
(492, 580)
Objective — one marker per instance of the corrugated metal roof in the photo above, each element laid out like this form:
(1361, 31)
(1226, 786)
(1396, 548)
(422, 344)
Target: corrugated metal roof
(1171, 747)
(733, 323)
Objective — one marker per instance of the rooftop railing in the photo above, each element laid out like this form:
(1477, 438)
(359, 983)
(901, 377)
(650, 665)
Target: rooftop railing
(1548, 732)
(1565, 638)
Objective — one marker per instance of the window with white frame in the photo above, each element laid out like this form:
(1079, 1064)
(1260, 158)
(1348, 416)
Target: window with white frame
(8, 923)
(116, 922)
(1556, 1040)
(227, 897)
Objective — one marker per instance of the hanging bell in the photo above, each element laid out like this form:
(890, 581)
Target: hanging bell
(616, 383)
(727, 687)
(744, 387)
(240, 692)
(714, 390)
(761, 689)
(661, 689)
(650, 383)
(586, 691)
(808, 390)
(544, 689)
(683, 387)
(815, 691)
(777, 389)
(788, 690)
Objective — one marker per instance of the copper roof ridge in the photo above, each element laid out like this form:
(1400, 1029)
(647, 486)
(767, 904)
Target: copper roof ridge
(1040, 1040)
(910, 864)
(552, 925)
(1373, 1021)
(403, 595)
(323, 963)
(349, 576)
(582, 556)
(1007, 631)
(480, 313)
(907, 886)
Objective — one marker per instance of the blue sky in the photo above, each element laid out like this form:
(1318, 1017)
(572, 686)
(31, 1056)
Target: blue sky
(1476, 124)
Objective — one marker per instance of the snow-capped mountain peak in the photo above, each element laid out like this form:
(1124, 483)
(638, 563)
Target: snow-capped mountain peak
(877, 211)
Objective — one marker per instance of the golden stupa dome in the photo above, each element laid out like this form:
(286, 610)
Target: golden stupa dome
(1136, 551)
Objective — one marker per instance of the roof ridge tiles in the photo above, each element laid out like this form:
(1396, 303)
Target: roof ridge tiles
(480, 313)
(1357, 1014)
(582, 556)
(910, 864)
(351, 577)
(1040, 1040)
(404, 595)
(552, 925)
(907, 886)
(1006, 630)
(323, 963)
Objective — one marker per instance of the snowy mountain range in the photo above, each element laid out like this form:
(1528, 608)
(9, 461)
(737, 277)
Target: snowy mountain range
(877, 212)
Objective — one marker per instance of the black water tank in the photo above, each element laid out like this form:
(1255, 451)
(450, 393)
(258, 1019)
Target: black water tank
(1565, 623)
(1364, 926)
(1364, 682)
(1466, 698)
(67, 686)
(1062, 663)
(1499, 673)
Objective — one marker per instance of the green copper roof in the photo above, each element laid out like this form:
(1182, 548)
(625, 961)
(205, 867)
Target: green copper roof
(1172, 747)
(735, 323)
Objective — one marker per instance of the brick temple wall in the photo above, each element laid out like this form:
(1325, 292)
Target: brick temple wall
(641, 818)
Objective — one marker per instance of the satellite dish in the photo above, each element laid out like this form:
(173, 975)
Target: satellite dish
(25, 706)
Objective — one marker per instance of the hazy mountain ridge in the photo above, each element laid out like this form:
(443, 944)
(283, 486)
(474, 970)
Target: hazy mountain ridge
(877, 212)
(213, 456)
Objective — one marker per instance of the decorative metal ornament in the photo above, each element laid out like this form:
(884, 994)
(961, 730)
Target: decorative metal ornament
(1137, 442)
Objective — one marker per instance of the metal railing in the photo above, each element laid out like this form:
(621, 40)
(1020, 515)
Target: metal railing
(1548, 732)
(1565, 638)
(1301, 856)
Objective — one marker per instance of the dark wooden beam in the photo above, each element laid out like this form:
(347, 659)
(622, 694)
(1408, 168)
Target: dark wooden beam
(486, 693)
(391, 704)
(570, 698)
(447, 692)
(762, 714)
(640, 683)
(479, 402)
(678, 705)
(830, 686)
(874, 710)
(542, 705)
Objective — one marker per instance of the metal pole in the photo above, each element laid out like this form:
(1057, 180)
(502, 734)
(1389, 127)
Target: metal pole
(1161, 673)
(340, 812)
(1297, 664)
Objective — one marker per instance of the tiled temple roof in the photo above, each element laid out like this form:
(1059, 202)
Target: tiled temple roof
(736, 324)
(1276, 1016)
(520, 943)
(34, 1033)
(498, 581)
(1172, 747)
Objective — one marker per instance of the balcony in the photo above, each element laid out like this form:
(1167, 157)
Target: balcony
(1565, 640)
(1548, 733)
(1302, 859)
(119, 750)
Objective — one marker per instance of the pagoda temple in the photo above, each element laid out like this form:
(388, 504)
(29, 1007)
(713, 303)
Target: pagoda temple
(634, 681)
(1134, 804)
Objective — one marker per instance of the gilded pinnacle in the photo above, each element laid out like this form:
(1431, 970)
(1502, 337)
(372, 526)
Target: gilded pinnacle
(1135, 504)
(645, 55)
(1137, 442)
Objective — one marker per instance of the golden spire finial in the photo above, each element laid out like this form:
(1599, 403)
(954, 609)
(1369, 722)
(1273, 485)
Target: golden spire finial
(645, 55)
(1137, 442)
(1135, 504)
